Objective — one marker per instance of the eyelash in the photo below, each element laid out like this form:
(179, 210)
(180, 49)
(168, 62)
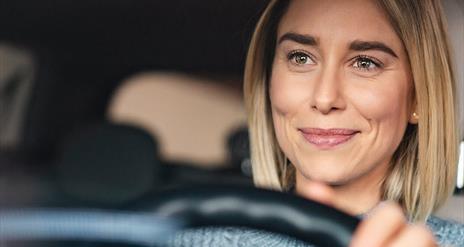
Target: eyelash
(293, 54)
(369, 59)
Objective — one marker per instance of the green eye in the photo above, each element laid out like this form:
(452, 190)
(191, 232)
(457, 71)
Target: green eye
(366, 63)
(300, 58)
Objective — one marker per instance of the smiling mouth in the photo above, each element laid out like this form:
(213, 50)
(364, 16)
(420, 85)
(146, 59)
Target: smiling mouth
(327, 138)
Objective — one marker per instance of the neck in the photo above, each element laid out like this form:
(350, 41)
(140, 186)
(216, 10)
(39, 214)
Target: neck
(356, 197)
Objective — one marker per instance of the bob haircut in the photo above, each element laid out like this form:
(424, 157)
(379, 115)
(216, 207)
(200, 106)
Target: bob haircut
(423, 168)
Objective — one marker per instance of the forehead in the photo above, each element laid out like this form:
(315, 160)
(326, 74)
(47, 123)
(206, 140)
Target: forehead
(345, 19)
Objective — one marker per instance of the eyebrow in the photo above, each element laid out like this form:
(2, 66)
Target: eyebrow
(358, 45)
(299, 38)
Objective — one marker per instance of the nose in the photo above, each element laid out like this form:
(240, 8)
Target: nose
(327, 93)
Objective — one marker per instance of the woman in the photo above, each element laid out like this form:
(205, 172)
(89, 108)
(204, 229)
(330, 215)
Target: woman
(352, 103)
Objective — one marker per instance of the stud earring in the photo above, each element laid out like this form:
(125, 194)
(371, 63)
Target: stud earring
(415, 115)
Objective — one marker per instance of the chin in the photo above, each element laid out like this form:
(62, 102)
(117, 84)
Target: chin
(333, 177)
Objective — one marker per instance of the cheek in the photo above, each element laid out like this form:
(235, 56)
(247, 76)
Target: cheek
(287, 92)
(386, 105)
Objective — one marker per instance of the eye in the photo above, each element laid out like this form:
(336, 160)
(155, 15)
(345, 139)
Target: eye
(366, 63)
(300, 58)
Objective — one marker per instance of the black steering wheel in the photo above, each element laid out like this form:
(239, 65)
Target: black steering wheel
(199, 206)
(257, 208)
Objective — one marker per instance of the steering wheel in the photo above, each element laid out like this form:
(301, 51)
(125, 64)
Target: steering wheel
(259, 209)
(175, 209)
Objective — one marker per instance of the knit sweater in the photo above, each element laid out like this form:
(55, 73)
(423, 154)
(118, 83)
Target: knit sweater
(447, 233)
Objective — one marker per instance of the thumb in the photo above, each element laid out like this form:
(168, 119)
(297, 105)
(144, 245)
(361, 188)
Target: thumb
(318, 192)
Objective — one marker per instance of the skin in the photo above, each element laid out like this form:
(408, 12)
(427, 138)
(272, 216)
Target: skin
(322, 78)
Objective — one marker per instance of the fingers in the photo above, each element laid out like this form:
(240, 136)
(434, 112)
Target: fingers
(414, 235)
(382, 225)
(387, 226)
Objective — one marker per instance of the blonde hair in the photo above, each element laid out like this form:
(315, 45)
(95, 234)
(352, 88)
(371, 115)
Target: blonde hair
(423, 168)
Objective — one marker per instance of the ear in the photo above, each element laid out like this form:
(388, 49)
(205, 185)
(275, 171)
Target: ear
(414, 118)
(413, 113)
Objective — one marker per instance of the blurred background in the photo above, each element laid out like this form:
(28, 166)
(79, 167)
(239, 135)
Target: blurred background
(103, 102)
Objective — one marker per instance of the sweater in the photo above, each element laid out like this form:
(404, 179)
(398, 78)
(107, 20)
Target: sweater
(447, 233)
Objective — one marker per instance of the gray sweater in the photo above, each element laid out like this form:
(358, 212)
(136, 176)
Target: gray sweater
(447, 233)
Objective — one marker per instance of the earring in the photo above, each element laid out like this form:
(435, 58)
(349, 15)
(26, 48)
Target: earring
(415, 115)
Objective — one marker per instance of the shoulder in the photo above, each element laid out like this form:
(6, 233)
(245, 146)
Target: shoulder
(447, 232)
(232, 237)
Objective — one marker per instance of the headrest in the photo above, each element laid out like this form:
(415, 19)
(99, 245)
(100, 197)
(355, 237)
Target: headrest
(108, 164)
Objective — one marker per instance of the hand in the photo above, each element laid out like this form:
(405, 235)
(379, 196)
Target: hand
(385, 226)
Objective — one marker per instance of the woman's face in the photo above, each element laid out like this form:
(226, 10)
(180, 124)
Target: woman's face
(340, 90)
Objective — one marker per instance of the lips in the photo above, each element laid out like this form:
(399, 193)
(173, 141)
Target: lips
(327, 138)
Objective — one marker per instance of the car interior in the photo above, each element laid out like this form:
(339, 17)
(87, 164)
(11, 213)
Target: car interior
(107, 104)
